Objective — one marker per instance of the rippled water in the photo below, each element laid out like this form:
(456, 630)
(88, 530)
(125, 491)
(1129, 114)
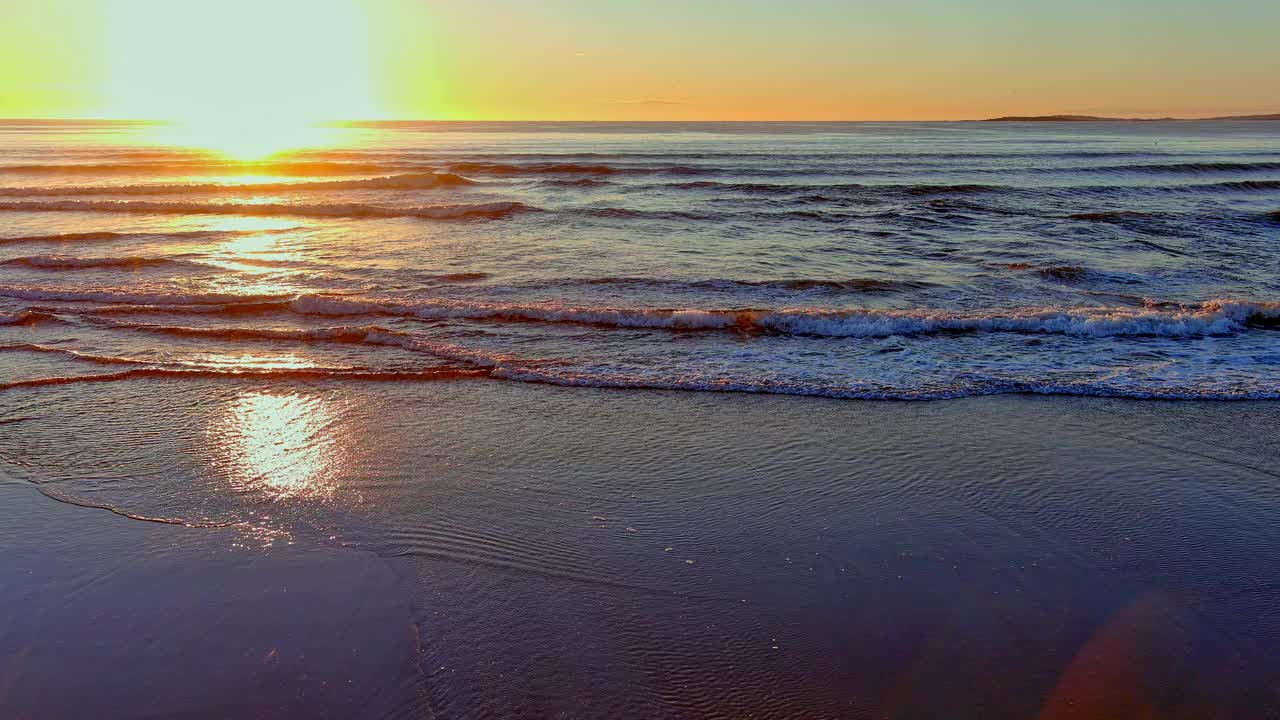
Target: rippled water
(356, 347)
(845, 260)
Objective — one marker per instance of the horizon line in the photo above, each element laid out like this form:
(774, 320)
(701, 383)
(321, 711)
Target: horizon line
(1049, 117)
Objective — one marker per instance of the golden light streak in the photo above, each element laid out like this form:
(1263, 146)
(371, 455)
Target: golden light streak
(281, 444)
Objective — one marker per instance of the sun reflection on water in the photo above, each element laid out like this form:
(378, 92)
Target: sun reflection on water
(252, 361)
(283, 445)
(246, 140)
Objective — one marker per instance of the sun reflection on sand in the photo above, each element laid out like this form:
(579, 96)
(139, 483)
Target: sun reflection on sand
(280, 444)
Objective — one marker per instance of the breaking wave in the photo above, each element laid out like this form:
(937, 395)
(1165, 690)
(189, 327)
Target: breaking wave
(365, 334)
(879, 391)
(27, 318)
(481, 364)
(1215, 317)
(1218, 317)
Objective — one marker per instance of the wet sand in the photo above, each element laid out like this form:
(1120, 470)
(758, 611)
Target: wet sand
(486, 549)
(106, 616)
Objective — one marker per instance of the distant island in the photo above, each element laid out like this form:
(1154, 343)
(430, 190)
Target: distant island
(1096, 118)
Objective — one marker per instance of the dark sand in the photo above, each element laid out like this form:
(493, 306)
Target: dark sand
(501, 551)
(109, 617)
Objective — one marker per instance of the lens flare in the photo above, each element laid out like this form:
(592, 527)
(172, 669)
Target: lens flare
(243, 78)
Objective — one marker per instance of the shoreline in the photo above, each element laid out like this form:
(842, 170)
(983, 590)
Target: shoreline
(1052, 555)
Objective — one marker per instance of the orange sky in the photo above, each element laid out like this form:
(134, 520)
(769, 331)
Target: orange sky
(660, 59)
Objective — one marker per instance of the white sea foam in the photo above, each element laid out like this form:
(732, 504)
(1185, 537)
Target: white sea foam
(1215, 317)
(793, 380)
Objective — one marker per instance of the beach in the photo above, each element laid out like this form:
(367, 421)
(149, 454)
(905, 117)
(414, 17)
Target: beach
(641, 420)
(507, 550)
(566, 360)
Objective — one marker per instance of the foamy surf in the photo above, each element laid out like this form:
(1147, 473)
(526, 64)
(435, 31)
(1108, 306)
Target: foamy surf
(859, 262)
(1215, 317)
(1156, 319)
(472, 364)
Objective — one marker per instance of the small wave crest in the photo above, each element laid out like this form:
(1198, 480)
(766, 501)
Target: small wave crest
(1216, 317)
(632, 214)
(404, 181)
(876, 391)
(843, 189)
(1193, 168)
(1248, 185)
(178, 166)
(274, 374)
(1067, 273)
(107, 235)
(458, 277)
(570, 168)
(346, 334)
(1116, 216)
(27, 318)
(489, 210)
(43, 294)
(836, 285)
(63, 262)
(73, 354)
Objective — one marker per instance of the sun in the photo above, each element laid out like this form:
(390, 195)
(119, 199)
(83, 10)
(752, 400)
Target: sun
(243, 77)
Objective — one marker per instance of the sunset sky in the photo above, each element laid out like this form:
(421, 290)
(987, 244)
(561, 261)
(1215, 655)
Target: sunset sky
(653, 60)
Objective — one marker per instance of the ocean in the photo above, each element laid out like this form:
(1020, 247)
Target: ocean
(574, 420)
(851, 260)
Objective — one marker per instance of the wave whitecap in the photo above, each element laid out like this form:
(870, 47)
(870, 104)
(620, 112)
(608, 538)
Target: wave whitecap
(1214, 317)
(486, 364)
(1217, 317)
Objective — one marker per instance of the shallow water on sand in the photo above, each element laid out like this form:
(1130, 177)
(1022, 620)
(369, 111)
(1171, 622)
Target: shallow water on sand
(574, 552)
